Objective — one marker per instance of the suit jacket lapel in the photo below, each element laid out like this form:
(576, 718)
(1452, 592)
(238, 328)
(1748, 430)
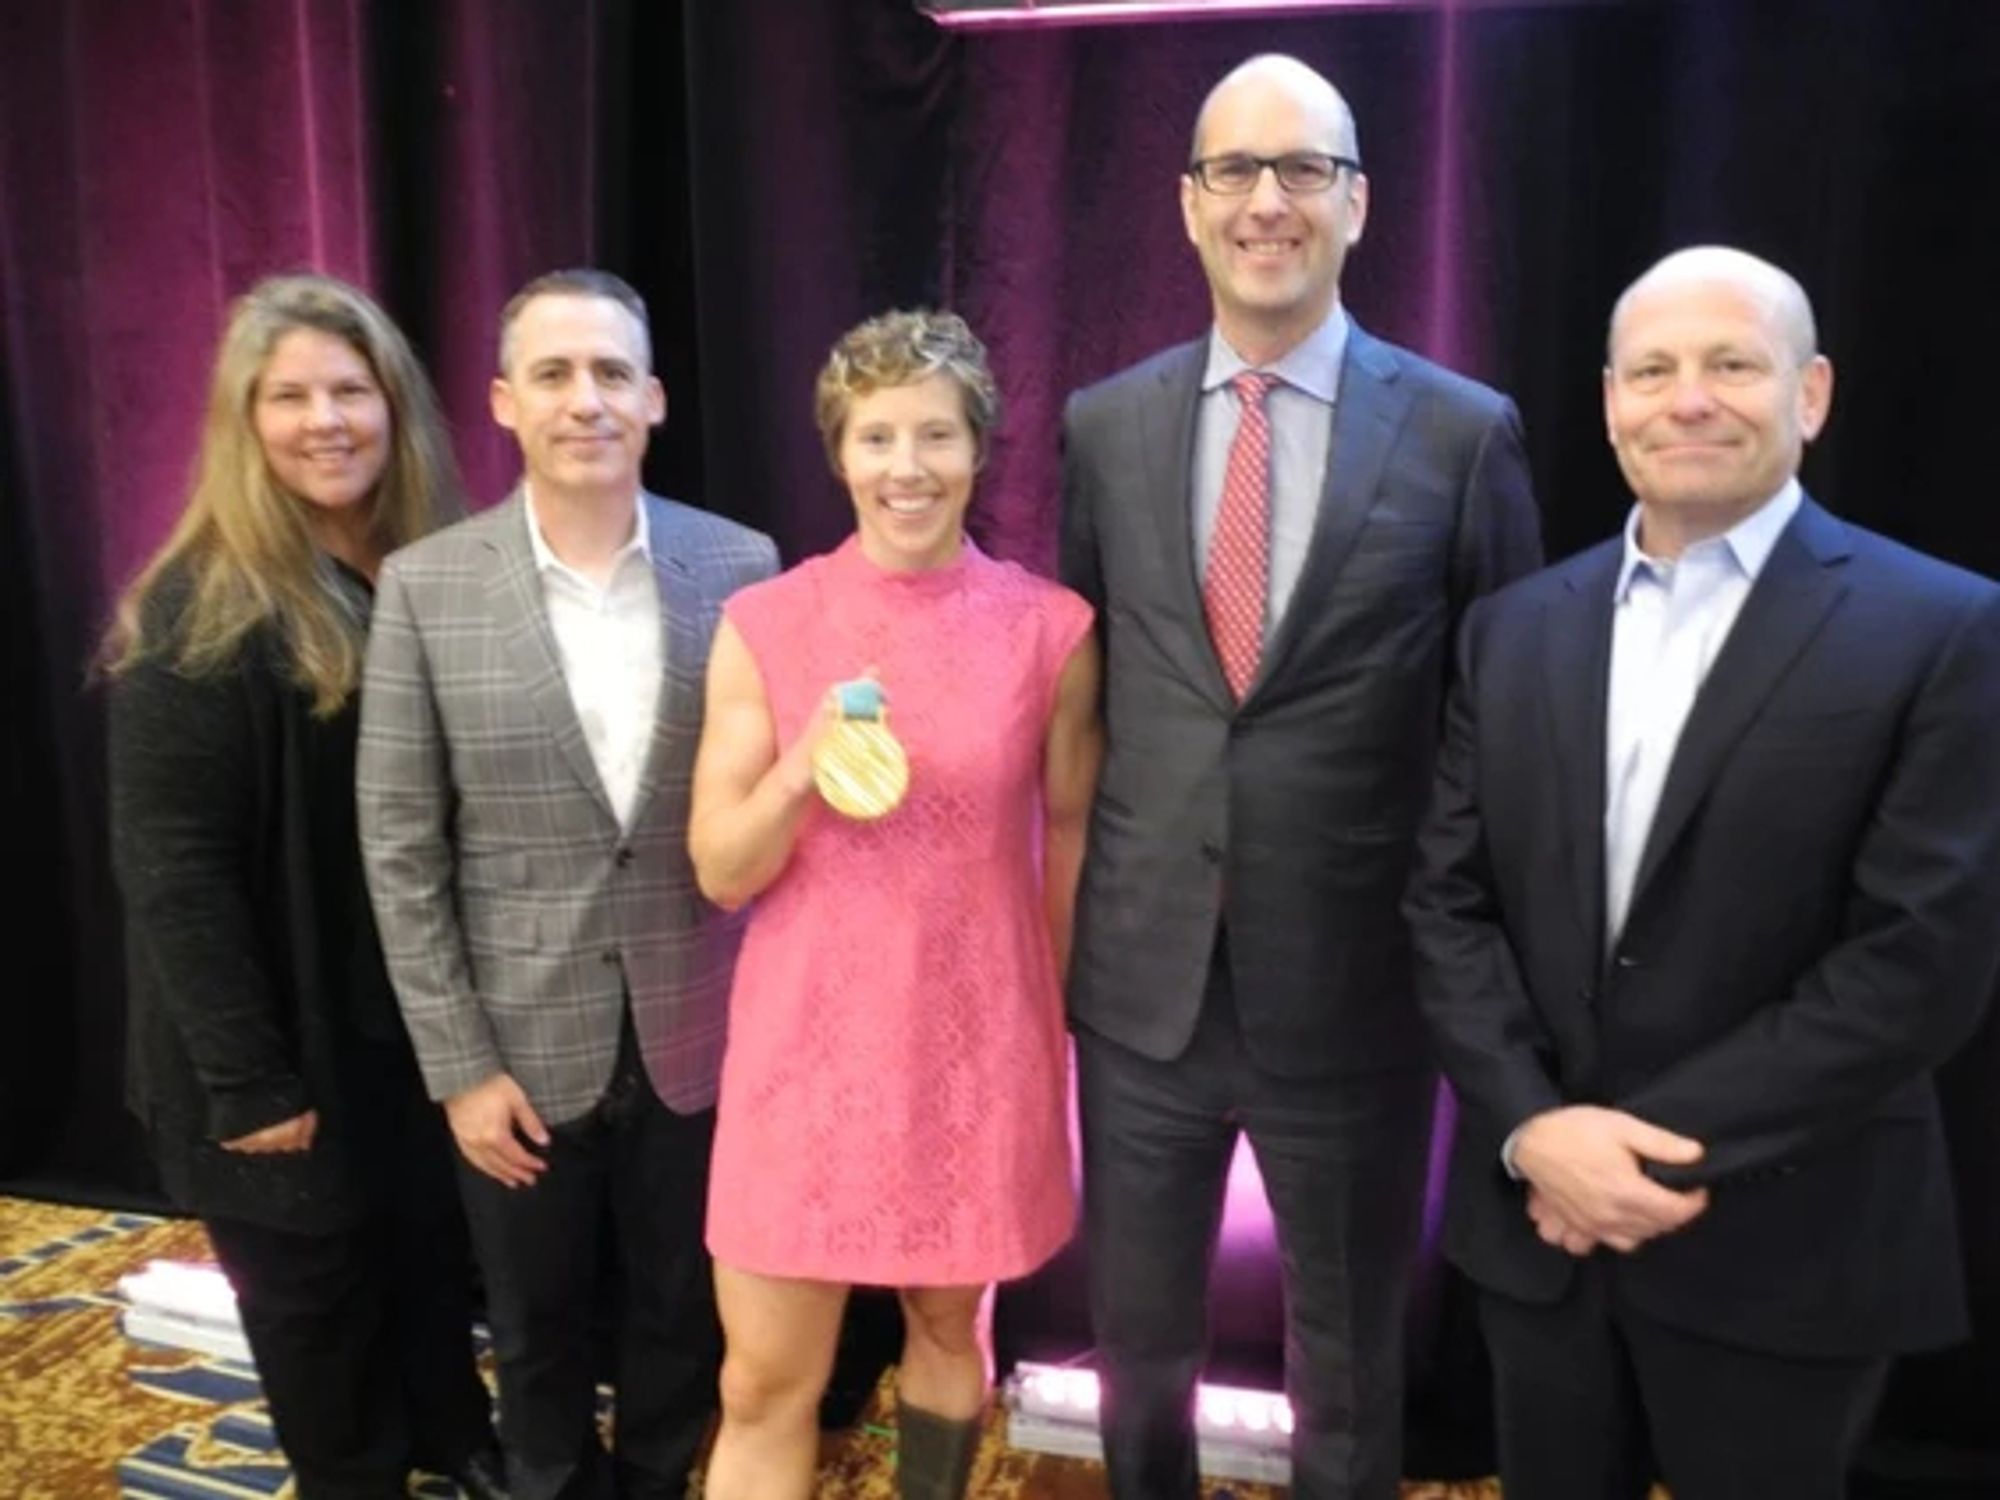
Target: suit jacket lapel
(1576, 641)
(1797, 589)
(683, 663)
(520, 614)
(1166, 446)
(1368, 412)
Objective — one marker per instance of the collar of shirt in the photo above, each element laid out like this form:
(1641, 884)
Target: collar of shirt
(1748, 543)
(546, 560)
(1313, 366)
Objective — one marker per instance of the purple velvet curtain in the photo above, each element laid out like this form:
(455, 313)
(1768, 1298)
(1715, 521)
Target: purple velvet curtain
(155, 160)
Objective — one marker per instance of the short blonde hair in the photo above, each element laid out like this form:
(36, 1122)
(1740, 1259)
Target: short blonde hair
(901, 348)
(242, 542)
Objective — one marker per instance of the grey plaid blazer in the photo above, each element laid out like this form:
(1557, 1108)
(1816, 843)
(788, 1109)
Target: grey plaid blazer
(514, 913)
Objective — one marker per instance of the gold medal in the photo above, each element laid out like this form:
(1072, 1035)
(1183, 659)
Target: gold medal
(860, 768)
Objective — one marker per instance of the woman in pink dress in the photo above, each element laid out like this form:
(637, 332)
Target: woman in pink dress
(893, 1107)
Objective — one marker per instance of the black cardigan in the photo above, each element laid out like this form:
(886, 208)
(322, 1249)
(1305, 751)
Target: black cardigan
(255, 979)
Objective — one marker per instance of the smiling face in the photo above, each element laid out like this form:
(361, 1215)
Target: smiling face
(1272, 258)
(1710, 398)
(907, 457)
(323, 423)
(578, 395)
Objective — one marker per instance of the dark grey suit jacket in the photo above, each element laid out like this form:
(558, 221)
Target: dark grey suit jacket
(1815, 926)
(1287, 820)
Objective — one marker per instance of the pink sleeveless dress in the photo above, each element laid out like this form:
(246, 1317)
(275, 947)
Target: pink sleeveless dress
(894, 1094)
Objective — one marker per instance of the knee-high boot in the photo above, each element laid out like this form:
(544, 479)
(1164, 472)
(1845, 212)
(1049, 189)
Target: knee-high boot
(934, 1454)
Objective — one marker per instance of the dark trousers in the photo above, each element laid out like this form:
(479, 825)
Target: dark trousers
(363, 1342)
(1593, 1401)
(1343, 1163)
(623, 1196)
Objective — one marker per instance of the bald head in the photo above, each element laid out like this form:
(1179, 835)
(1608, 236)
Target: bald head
(1285, 77)
(1712, 390)
(1783, 300)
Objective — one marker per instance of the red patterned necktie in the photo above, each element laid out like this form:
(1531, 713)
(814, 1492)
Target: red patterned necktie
(1238, 579)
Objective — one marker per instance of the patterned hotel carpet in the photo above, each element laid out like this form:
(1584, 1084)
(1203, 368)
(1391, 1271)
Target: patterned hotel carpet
(84, 1413)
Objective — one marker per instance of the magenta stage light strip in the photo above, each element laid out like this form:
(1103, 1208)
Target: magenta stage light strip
(1000, 15)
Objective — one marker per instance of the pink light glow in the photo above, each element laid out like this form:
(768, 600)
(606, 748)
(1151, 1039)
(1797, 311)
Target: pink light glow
(1002, 16)
(1443, 322)
(1081, 1390)
(1220, 1410)
(1246, 1212)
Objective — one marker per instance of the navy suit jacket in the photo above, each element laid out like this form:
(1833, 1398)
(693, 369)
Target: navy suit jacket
(1816, 925)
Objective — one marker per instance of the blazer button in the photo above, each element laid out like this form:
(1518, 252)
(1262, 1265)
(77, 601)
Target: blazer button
(609, 956)
(1212, 853)
(622, 858)
(1627, 961)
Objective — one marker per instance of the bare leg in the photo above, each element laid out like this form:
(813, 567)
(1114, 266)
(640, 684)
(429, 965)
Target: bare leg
(779, 1338)
(945, 1359)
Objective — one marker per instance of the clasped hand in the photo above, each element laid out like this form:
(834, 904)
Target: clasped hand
(1587, 1185)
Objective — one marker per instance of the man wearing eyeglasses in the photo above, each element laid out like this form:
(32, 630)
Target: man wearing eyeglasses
(1279, 524)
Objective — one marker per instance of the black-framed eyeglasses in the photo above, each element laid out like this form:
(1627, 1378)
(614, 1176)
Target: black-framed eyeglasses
(1237, 173)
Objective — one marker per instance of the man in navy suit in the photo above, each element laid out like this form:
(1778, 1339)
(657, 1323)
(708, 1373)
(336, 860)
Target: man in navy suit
(1710, 885)
(1279, 524)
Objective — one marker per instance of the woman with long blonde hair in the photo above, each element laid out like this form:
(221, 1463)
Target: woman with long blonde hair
(268, 1062)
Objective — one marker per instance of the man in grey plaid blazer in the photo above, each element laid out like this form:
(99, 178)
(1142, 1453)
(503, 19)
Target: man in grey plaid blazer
(530, 713)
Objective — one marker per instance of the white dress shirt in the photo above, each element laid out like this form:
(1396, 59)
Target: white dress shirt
(608, 640)
(1669, 620)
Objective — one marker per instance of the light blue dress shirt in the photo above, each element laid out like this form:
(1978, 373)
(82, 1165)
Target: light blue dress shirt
(1301, 409)
(1669, 620)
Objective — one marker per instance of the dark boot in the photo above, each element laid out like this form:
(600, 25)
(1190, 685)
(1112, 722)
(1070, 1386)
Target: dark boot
(933, 1454)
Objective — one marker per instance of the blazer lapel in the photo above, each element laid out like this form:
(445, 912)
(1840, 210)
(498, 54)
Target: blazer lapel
(1797, 589)
(1576, 658)
(683, 663)
(520, 614)
(1166, 447)
(1368, 412)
